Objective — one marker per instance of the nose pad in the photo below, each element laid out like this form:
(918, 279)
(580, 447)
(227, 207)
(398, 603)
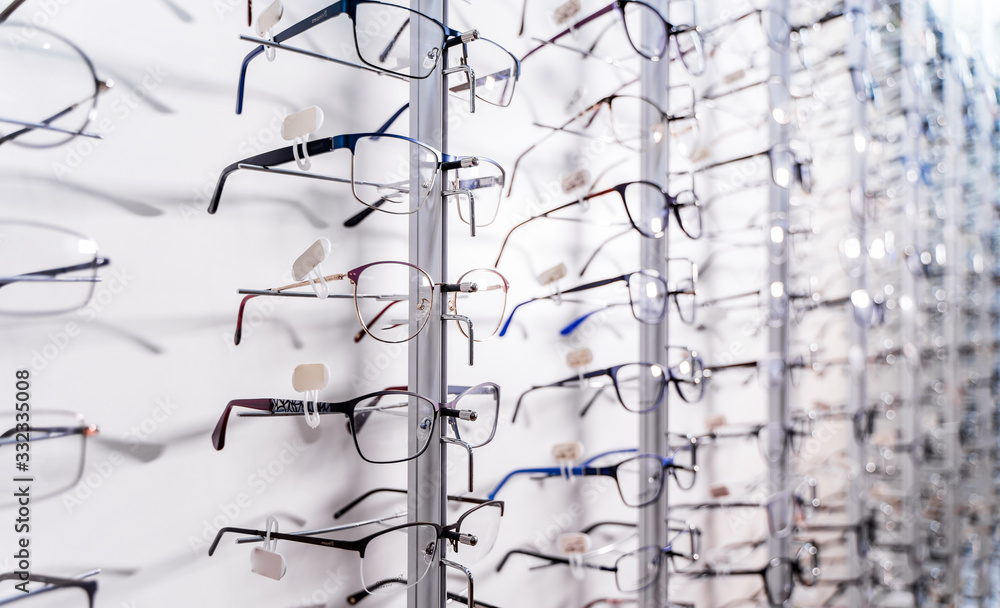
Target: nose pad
(429, 551)
(431, 59)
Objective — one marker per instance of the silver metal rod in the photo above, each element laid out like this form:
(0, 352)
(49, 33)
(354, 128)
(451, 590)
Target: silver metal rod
(652, 530)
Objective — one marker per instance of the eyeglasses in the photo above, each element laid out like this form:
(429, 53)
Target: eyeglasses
(388, 563)
(786, 165)
(396, 40)
(57, 88)
(57, 443)
(650, 43)
(780, 574)
(648, 294)
(48, 590)
(763, 434)
(45, 270)
(685, 207)
(639, 478)
(638, 569)
(382, 165)
(628, 119)
(378, 420)
(687, 375)
(380, 286)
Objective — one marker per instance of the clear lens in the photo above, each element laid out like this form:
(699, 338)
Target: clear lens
(771, 441)
(782, 167)
(683, 546)
(484, 400)
(397, 40)
(638, 569)
(47, 81)
(55, 597)
(778, 580)
(482, 522)
(688, 372)
(776, 28)
(485, 306)
(683, 459)
(382, 423)
(629, 379)
(648, 295)
(398, 558)
(495, 69)
(689, 213)
(382, 177)
(780, 514)
(636, 123)
(56, 453)
(682, 277)
(691, 49)
(640, 479)
(479, 191)
(44, 269)
(645, 30)
(393, 300)
(652, 225)
(780, 102)
(684, 133)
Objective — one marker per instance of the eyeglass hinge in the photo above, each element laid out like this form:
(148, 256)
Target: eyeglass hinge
(466, 287)
(469, 36)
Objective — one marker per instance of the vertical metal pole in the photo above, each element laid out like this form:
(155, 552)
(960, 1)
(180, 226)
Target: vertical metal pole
(857, 334)
(427, 364)
(910, 300)
(653, 338)
(777, 289)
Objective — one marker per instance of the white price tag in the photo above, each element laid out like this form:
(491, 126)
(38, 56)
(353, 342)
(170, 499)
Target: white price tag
(720, 490)
(580, 357)
(553, 274)
(566, 11)
(714, 422)
(576, 179)
(574, 543)
(567, 452)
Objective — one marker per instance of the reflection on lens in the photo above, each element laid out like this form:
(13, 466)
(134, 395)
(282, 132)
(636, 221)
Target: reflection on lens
(495, 70)
(382, 424)
(638, 569)
(689, 213)
(393, 300)
(648, 295)
(484, 306)
(629, 116)
(629, 379)
(645, 30)
(57, 452)
(484, 400)
(683, 460)
(652, 225)
(778, 579)
(382, 175)
(385, 36)
(640, 479)
(483, 523)
(49, 81)
(691, 49)
(480, 188)
(398, 558)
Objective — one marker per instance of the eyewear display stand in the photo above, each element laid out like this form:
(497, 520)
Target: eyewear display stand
(857, 345)
(427, 364)
(778, 339)
(653, 426)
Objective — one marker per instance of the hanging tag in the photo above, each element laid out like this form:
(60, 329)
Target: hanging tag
(308, 267)
(719, 490)
(553, 274)
(310, 379)
(883, 439)
(574, 543)
(715, 422)
(580, 357)
(566, 11)
(576, 179)
(297, 128)
(266, 561)
(734, 76)
(266, 21)
(565, 454)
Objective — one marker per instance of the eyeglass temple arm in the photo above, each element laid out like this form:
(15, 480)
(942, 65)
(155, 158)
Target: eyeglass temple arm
(296, 538)
(578, 471)
(52, 272)
(343, 510)
(600, 247)
(535, 217)
(219, 433)
(576, 323)
(595, 525)
(552, 559)
(7, 12)
(272, 158)
(44, 123)
(601, 12)
(730, 161)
